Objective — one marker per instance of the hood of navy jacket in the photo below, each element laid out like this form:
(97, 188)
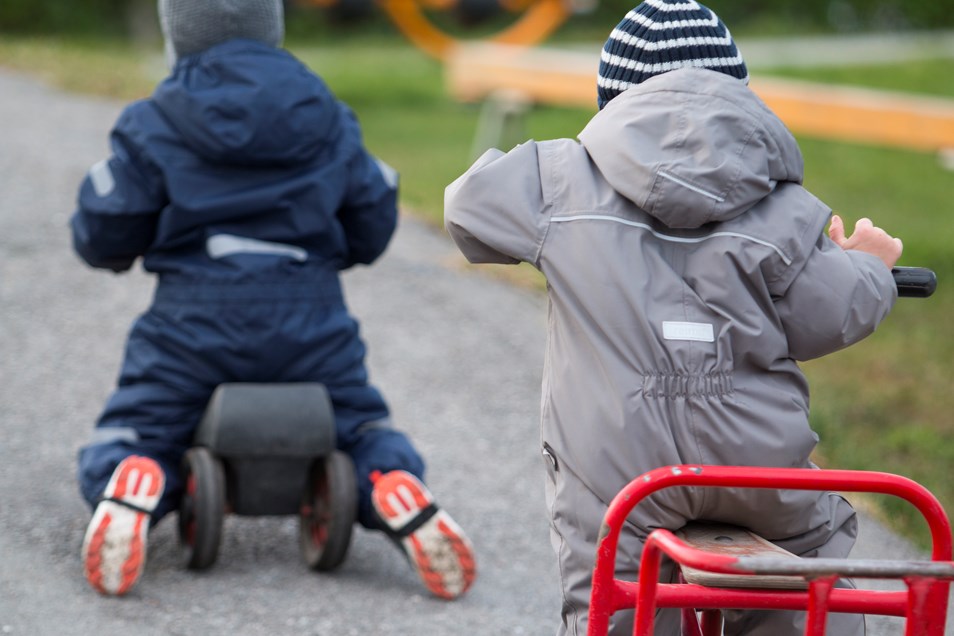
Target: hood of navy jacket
(243, 102)
(691, 147)
(243, 166)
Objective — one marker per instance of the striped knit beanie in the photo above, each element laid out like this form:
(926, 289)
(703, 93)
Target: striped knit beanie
(663, 35)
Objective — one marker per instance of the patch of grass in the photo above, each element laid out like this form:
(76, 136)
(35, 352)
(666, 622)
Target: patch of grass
(906, 192)
(929, 77)
(111, 68)
(397, 93)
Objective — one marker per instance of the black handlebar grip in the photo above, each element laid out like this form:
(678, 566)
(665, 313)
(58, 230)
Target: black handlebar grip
(914, 282)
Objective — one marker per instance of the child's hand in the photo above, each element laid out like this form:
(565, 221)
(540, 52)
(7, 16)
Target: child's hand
(867, 238)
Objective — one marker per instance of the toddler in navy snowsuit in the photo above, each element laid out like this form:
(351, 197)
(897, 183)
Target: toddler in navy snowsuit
(244, 185)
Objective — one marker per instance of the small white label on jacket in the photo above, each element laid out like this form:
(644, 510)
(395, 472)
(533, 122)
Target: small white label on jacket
(699, 331)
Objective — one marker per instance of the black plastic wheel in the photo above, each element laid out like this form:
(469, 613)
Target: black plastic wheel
(328, 512)
(203, 507)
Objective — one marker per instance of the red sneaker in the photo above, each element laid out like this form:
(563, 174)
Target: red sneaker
(114, 549)
(436, 546)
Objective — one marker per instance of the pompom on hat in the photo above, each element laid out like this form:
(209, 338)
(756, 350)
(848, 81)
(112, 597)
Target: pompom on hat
(663, 35)
(192, 26)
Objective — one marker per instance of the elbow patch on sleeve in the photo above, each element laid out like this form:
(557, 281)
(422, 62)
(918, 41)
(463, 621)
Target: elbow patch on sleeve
(101, 177)
(494, 210)
(390, 174)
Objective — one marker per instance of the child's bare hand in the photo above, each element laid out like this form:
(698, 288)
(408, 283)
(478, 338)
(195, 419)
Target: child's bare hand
(867, 238)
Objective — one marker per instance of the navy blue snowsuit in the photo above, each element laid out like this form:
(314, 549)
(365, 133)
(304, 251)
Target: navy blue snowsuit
(245, 186)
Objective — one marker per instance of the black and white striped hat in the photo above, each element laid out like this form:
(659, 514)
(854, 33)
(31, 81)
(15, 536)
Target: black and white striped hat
(663, 35)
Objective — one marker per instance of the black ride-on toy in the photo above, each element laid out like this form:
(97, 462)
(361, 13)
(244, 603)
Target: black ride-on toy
(268, 449)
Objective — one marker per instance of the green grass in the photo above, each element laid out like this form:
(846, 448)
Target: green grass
(883, 405)
(100, 67)
(407, 120)
(929, 77)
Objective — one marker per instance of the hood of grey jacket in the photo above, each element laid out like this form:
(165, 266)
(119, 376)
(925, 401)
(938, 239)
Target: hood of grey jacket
(692, 146)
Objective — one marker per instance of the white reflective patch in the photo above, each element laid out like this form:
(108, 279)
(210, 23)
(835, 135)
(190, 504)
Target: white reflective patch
(697, 331)
(109, 434)
(689, 186)
(665, 237)
(222, 245)
(390, 174)
(102, 178)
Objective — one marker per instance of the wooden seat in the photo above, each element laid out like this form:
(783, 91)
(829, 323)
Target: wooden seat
(739, 542)
(563, 77)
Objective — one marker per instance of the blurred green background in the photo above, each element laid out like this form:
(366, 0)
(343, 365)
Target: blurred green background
(886, 404)
(112, 17)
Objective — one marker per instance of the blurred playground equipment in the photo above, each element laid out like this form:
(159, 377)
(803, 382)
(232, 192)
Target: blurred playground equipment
(508, 73)
(509, 79)
(428, 23)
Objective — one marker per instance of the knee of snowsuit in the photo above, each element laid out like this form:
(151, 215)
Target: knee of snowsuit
(178, 352)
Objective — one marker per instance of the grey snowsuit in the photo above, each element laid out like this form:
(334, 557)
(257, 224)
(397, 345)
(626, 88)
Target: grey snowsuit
(687, 271)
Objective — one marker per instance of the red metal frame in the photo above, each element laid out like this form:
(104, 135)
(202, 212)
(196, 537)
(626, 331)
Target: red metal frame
(924, 604)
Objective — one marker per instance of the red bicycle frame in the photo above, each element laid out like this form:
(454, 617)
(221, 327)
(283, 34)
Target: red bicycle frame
(923, 604)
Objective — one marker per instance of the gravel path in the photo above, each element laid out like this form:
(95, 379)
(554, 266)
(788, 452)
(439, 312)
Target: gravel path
(457, 354)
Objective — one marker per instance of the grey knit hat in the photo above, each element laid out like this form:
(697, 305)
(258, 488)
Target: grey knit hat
(663, 35)
(192, 26)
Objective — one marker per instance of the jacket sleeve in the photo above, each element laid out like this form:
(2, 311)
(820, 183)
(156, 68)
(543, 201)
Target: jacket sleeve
(118, 205)
(495, 212)
(838, 298)
(369, 211)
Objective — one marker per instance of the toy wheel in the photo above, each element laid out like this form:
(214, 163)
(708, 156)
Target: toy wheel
(328, 511)
(202, 509)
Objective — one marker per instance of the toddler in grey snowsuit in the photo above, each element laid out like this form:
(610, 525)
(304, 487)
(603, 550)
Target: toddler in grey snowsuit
(687, 271)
